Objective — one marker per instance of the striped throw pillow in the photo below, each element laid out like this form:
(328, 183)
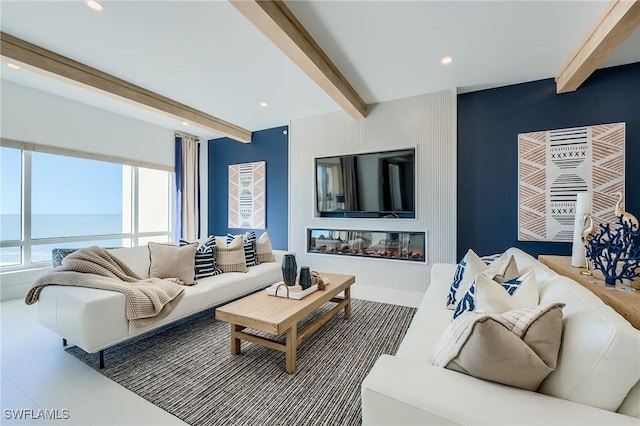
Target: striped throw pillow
(467, 302)
(230, 257)
(57, 254)
(205, 263)
(470, 265)
(249, 243)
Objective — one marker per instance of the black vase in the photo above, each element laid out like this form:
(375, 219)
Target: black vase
(305, 277)
(289, 269)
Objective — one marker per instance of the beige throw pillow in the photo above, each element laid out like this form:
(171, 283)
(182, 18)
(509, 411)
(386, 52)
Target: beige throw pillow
(230, 257)
(503, 269)
(491, 296)
(517, 348)
(265, 252)
(170, 261)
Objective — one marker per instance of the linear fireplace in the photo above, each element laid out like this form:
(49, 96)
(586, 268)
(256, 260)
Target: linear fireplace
(393, 245)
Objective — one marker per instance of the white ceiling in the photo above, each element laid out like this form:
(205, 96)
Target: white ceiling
(207, 55)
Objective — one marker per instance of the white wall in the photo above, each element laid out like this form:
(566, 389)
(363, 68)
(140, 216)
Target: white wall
(427, 122)
(34, 116)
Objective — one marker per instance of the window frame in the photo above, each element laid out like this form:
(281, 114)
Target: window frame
(27, 242)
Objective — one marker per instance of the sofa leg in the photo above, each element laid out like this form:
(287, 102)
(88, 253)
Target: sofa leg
(64, 342)
(102, 359)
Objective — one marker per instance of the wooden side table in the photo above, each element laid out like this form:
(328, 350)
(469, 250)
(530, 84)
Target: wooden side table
(626, 303)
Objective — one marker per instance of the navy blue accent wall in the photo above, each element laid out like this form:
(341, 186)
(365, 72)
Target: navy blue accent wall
(489, 122)
(272, 146)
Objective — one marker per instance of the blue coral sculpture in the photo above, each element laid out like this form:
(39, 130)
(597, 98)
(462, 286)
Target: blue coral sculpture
(616, 252)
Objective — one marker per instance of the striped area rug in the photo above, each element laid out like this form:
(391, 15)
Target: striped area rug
(188, 369)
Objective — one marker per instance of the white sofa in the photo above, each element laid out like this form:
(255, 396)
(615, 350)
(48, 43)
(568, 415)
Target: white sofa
(596, 381)
(94, 319)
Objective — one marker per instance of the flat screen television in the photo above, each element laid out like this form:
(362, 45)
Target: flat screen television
(376, 184)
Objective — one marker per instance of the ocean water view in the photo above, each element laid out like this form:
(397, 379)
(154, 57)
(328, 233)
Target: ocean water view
(60, 192)
(58, 226)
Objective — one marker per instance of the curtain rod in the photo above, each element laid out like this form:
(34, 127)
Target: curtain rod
(180, 134)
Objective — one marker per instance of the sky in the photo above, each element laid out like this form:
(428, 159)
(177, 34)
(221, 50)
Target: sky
(61, 185)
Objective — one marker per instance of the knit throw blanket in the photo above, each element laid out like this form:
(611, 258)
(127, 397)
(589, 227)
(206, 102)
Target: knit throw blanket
(147, 300)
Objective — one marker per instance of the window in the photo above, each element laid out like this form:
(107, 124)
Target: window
(10, 204)
(72, 197)
(153, 214)
(71, 202)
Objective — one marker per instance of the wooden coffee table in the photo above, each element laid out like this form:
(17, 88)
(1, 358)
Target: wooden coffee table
(277, 315)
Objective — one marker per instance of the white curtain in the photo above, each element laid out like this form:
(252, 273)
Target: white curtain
(188, 187)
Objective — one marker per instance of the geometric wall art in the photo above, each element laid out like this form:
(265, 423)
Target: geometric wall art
(555, 165)
(247, 195)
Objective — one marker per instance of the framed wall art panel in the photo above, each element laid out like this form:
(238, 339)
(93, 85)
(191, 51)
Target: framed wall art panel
(247, 195)
(555, 165)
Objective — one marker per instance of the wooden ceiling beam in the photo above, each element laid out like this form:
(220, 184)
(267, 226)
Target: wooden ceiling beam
(276, 21)
(618, 22)
(39, 59)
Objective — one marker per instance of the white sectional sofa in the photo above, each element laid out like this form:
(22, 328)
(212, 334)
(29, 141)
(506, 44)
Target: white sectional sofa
(596, 381)
(94, 319)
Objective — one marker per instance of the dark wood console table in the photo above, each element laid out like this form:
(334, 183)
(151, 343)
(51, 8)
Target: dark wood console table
(626, 303)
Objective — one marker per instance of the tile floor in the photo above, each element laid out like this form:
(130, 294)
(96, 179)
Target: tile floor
(38, 374)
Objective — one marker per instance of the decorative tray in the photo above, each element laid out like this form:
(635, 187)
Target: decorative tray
(288, 293)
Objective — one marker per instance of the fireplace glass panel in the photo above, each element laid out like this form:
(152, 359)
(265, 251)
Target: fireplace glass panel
(396, 245)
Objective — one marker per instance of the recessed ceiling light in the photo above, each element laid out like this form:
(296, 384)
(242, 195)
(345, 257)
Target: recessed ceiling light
(14, 66)
(446, 60)
(184, 123)
(93, 4)
(263, 104)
